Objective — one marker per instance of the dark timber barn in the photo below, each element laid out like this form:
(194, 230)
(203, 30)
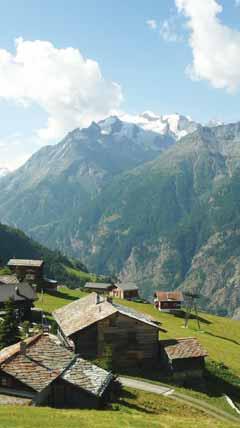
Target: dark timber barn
(32, 271)
(184, 357)
(94, 322)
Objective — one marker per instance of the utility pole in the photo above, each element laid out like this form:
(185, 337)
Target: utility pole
(191, 306)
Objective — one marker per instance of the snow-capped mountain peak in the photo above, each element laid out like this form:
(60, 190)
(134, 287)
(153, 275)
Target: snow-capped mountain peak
(175, 124)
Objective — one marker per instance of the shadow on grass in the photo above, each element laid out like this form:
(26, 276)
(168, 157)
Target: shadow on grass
(223, 338)
(61, 295)
(182, 314)
(126, 395)
(220, 380)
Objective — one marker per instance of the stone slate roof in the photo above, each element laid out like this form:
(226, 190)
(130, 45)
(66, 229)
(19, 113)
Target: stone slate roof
(127, 286)
(45, 359)
(90, 309)
(30, 372)
(164, 296)
(187, 347)
(42, 362)
(19, 292)
(8, 279)
(49, 352)
(10, 351)
(99, 285)
(87, 376)
(25, 263)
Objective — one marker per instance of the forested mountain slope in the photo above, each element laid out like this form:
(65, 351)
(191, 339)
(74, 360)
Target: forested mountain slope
(14, 243)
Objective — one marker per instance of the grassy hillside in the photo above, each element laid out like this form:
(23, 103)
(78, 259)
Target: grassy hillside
(49, 302)
(135, 410)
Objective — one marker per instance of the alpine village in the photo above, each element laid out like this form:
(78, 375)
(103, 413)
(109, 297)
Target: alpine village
(120, 214)
(84, 347)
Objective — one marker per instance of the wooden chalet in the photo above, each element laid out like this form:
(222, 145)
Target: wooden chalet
(184, 357)
(125, 290)
(23, 296)
(99, 287)
(93, 322)
(31, 271)
(23, 267)
(168, 300)
(44, 372)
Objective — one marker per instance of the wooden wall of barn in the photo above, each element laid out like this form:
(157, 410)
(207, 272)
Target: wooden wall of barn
(62, 394)
(132, 341)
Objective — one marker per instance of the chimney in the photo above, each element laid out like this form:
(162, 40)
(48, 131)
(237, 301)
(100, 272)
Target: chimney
(23, 348)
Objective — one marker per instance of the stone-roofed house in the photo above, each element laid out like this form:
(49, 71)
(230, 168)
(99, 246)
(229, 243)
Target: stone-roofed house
(44, 371)
(99, 287)
(168, 300)
(31, 271)
(23, 296)
(94, 322)
(184, 357)
(125, 290)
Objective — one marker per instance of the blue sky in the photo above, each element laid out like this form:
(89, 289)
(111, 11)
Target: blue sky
(148, 64)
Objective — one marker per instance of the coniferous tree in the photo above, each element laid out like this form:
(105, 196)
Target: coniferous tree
(9, 332)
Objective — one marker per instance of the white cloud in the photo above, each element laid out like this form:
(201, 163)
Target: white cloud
(169, 30)
(69, 87)
(152, 24)
(237, 3)
(215, 46)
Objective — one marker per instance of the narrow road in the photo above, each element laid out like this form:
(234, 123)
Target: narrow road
(186, 399)
(145, 386)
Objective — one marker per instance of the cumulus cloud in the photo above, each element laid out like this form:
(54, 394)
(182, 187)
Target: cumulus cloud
(152, 24)
(215, 46)
(67, 86)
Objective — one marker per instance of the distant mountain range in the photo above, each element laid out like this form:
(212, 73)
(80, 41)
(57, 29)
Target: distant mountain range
(154, 199)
